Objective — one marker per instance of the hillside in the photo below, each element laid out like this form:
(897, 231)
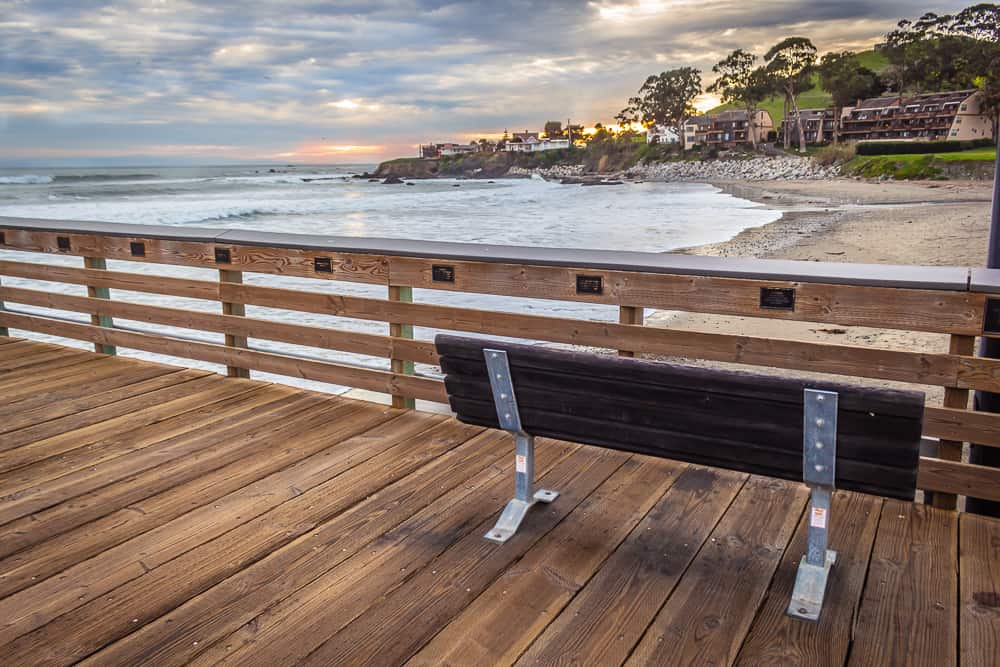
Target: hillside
(815, 97)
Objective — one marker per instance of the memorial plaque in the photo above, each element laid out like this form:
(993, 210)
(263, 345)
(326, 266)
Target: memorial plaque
(222, 256)
(442, 273)
(991, 319)
(322, 265)
(137, 249)
(62, 242)
(777, 298)
(589, 284)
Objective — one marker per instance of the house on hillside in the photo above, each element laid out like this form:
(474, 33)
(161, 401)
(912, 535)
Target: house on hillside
(661, 134)
(433, 151)
(954, 115)
(817, 124)
(727, 129)
(532, 142)
(458, 149)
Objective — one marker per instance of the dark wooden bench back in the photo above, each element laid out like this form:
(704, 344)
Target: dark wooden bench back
(727, 419)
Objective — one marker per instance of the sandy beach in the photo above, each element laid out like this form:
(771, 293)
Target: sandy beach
(843, 220)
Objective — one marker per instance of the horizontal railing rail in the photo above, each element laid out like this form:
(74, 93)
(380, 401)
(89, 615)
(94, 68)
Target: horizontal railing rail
(960, 303)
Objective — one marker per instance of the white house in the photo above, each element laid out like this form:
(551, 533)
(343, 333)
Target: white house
(457, 149)
(532, 144)
(661, 134)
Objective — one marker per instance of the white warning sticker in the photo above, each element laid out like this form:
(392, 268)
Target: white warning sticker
(817, 518)
(520, 463)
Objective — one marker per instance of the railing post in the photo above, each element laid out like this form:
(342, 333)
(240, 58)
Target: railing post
(630, 315)
(3, 329)
(400, 330)
(100, 293)
(238, 309)
(951, 450)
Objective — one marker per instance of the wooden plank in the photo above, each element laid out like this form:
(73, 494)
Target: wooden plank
(134, 282)
(979, 590)
(353, 267)
(499, 624)
(123, 384)
(706, 618)
(964, 479)
(97, 319)
(982, 428)
(908, 613)
(913, 309)
(607, 617)
(196, 473)
(951, 450)
(11, 350)
(910, 309)
(186, 631)
(32, 358)
(352, 376)
(778, 639)
(33, 608)
(41, 440)
(904, 366)
(4, 332)
(120, 456)
(236, 310)
(67, 382)
(630, 315)
(139, 505)
(58, 436)
(236, 327)
(401, 330)
(431, 543)
(172, 567)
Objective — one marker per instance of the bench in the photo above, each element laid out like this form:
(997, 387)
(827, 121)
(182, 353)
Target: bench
(828, 435)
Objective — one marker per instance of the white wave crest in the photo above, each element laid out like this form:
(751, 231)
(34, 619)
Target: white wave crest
(25, 179)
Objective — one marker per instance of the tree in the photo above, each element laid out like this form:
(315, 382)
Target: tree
(929, 54)
(553, 128)
(664, 99)
(790, 64)
(980, 24)
(847, 81)
(743, 84)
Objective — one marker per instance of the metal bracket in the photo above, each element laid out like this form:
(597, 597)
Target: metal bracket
(819, 459)
(524, 459)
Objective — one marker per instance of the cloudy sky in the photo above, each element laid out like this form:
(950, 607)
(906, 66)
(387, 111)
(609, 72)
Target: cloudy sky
(168, 81)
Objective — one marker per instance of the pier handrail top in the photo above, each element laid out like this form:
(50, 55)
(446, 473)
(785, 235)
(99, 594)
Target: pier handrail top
(952, 278)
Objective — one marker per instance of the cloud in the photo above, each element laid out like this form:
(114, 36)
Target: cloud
(337, 80)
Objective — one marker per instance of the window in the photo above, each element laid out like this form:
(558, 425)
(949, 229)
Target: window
(965, 107)
(954, 133)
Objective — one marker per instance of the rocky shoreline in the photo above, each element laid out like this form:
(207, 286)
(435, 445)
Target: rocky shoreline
(752, 169)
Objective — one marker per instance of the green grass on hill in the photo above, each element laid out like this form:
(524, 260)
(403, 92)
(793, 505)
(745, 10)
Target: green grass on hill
(915, 165)
(976, 154)
(815, 97)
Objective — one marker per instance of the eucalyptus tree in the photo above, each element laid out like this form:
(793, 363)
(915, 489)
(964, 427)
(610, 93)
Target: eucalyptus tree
(664, 99)
(790, 64)
(744, 84)
(847, 81)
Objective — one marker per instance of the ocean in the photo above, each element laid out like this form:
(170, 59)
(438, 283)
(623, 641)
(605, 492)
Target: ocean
(652, 217)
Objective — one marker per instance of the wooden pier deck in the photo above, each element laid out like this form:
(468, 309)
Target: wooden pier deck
(159, 515)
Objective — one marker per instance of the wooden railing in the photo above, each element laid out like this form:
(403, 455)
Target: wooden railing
(953, 301)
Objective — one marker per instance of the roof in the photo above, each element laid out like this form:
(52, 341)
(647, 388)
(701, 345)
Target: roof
(879, 103)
